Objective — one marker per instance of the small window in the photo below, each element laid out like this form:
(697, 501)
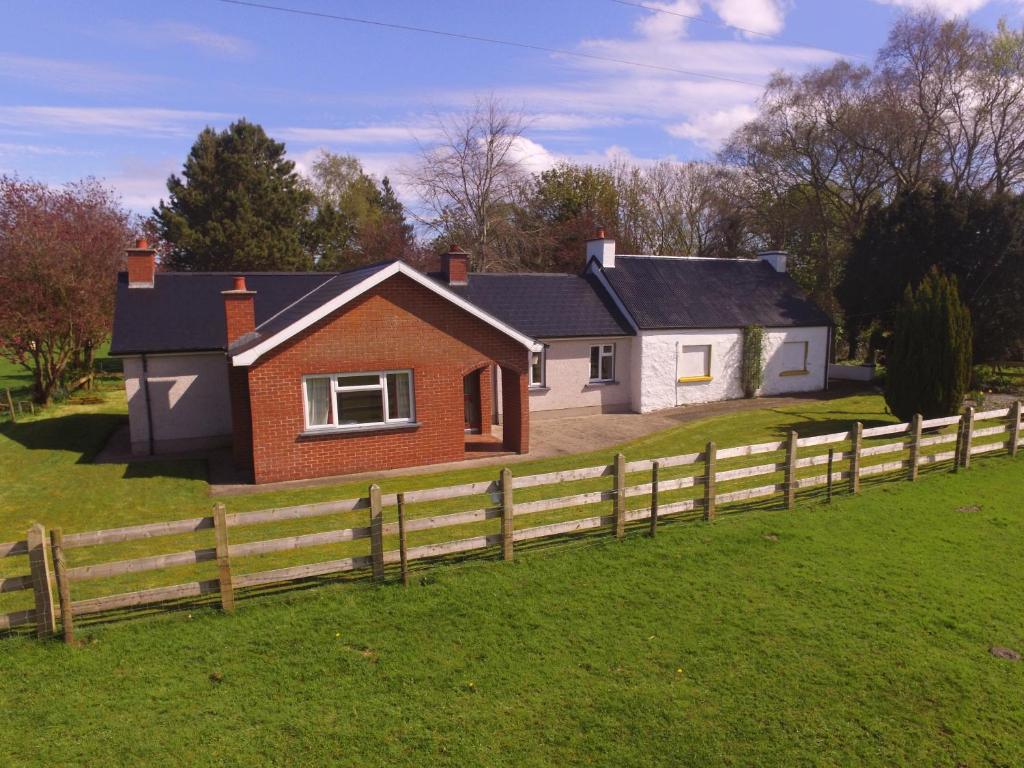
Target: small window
(538, 361)
(358, 400)
(602, 362)
(794, 358)
(695, 363)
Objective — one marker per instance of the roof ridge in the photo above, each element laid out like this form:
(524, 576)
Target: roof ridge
(301, 298)
(686, 258)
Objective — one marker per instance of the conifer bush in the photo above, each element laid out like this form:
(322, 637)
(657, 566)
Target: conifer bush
(929, 359)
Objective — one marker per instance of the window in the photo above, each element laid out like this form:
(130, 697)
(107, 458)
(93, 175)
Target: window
(794, 358)
(358, 400)
(602, 362)
(538, 361)
(695, 363)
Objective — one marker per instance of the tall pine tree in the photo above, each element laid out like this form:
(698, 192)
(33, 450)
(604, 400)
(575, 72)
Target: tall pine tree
(238, 205)
(929, 361)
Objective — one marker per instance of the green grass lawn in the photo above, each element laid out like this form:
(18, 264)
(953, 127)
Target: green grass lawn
(851, 634)
(48, 477)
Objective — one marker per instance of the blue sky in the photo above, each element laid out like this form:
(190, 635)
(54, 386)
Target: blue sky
(118, 90)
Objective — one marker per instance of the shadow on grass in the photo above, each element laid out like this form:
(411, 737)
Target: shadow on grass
(81, 433)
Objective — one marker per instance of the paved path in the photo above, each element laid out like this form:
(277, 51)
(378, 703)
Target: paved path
(559, 436)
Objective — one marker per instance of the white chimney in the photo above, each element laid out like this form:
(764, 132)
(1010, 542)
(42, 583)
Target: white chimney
(776, 258)
(603, 249)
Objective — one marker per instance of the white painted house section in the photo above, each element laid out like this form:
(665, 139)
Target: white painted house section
(190, 405)
(567, 382)
(662, 358)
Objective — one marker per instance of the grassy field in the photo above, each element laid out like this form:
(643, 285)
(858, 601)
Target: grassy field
(850, 634)
(48, 477)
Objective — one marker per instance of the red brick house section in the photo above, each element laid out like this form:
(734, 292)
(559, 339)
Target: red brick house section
(398, 324)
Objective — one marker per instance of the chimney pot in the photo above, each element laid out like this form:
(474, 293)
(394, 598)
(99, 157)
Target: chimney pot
(141, 261)
(455, 266)
(239, 310)
(601, 249)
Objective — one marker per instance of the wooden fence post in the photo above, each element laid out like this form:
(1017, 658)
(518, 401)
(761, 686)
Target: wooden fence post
(709, 481)
(376, 533)
(508, 510)
(10, 404)
(790, 482)
(965, 458)
(915, 447)
(620, 496)
(60, 572)
(403, 544)
(855, 447)
(42, 586)
(220, 531)
(654, 497)
(1015, 414)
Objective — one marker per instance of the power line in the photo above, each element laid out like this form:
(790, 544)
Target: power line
(481, 39)
(726, 25)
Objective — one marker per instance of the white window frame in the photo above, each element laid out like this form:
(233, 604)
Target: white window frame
(708, 352)
(601, 355)
(543, 369)
(381, 386)
(796, 371)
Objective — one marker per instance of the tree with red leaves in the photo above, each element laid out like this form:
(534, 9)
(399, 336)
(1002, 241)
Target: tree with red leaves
(60, 250)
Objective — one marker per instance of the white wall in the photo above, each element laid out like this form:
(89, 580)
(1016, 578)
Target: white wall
(656, 357)
(817, 361)
(190, 402)
(568, 376)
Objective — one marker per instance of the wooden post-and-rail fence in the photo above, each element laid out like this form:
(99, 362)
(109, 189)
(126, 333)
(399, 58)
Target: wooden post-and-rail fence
(923, 443)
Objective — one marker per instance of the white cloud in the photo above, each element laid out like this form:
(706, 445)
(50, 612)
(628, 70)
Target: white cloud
(710, 129)
(163, 33)
(670, 23)
(371, 134)
(137, 121)
(142, 182)
(943, 7)
(74, 76)
(14, 150)
(764, 16)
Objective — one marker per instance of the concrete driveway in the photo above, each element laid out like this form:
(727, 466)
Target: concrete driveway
(557, 435)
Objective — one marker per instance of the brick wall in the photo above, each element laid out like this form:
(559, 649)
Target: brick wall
(399, 324)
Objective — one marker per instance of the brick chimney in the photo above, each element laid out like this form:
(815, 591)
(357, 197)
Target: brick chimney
(141, 265)
(776, 258)
(239, 311)
(601, 248)
(455, 266)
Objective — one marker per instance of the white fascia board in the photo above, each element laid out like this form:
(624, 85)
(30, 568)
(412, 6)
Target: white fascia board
(595, 268)
(398, 268)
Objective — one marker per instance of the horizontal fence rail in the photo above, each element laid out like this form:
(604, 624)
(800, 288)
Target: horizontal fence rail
(711, 478)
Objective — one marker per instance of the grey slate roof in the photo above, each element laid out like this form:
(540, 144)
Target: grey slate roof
(546, 305)
(184, 311)
(673, 292)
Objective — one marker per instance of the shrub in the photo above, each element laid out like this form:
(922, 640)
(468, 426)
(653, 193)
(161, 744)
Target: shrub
(929, 358)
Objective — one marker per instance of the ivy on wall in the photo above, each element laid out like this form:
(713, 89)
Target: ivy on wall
(752, 372)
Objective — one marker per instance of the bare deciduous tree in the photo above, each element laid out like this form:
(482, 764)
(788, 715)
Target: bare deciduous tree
(470, 179)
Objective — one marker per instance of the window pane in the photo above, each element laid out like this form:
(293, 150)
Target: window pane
(537, 368)
(595, 368)
(359, 380)
(399, 401)
(794, 355)
(607, 367)
(695, 361)
(607, 349)
(360, 407)
(318, 402)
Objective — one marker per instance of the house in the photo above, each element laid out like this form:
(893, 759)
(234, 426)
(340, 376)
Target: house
(318, 374)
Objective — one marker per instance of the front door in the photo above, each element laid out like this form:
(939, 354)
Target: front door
(471, 401)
